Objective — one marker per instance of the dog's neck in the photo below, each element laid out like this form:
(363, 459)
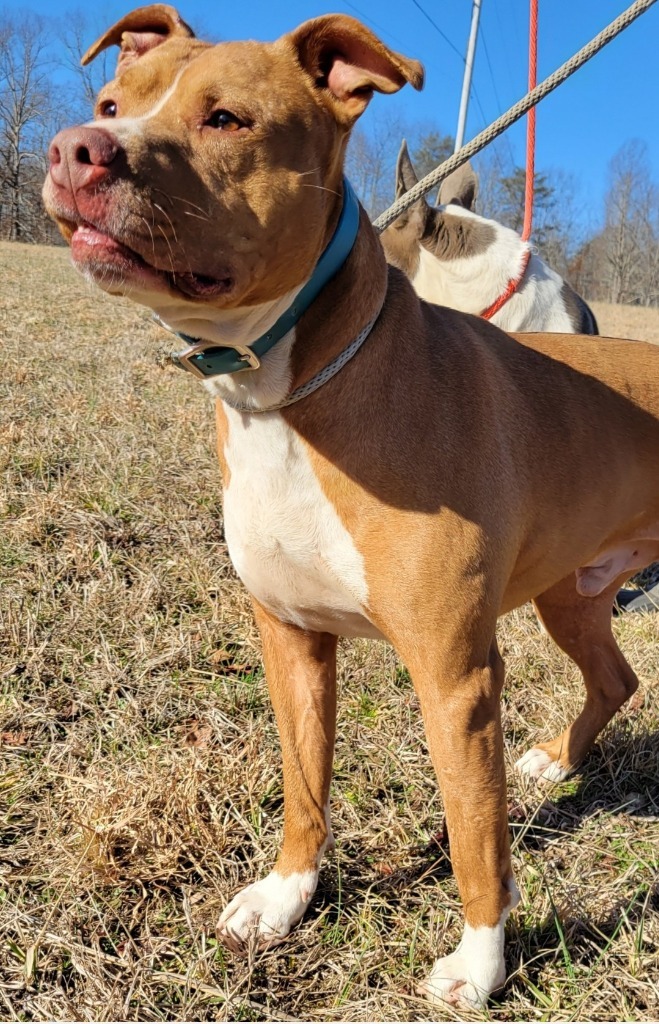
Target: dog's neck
(447, 279)
(347, 303)
(241, 327)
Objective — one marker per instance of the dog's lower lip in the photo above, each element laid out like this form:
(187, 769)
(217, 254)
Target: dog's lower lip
(86, 237)
(200, 285)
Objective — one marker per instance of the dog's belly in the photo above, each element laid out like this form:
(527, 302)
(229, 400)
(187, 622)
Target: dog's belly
(285, 538)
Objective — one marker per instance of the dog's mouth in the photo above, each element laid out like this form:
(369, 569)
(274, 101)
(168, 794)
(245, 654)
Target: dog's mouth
(98, 253)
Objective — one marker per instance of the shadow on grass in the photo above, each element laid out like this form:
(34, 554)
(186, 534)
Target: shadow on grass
(619, 776)
(577, 947)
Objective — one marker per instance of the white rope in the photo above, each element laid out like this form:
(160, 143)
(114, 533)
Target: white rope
(518, 110)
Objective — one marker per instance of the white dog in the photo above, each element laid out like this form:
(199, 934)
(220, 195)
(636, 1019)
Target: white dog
(454, 257)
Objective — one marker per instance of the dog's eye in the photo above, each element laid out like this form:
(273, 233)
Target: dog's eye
(108, 108)
(224, 121)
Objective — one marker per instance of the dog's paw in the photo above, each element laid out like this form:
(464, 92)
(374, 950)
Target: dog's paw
(537, 763)
(266, 911)
(468, 976)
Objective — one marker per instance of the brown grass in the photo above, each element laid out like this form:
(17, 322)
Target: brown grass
(140, 780)
(627, 321)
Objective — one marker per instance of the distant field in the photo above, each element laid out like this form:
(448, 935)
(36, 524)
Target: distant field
(139, 764)
(627, 321)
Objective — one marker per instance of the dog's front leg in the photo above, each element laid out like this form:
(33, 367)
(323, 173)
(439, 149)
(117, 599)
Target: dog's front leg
(300, 669)
(460, 704)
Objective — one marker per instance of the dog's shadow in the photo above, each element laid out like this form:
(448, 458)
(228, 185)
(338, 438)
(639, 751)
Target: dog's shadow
(603, 819)
(578, 945)
(620, 777)
(617, 786)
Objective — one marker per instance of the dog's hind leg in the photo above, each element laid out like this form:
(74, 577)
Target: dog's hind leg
(581, 626)
(300, 669)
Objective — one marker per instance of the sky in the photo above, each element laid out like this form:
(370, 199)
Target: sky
(610, 101)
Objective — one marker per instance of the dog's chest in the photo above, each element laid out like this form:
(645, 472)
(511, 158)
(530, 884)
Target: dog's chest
(285, 538)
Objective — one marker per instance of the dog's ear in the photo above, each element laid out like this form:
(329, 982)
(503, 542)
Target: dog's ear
(140, 31)
(348, 63)
(406, 176)
(415, 217)
(461, 187)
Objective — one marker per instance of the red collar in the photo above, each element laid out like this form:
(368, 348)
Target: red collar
(511, 288)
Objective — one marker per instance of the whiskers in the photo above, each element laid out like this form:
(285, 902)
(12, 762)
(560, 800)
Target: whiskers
(180, 249)
(109, 279)
(172, 269)
(321, 188)
(153, 241)
(200, 215)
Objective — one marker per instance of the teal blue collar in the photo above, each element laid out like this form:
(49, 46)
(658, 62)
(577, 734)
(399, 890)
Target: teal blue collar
(208, 359)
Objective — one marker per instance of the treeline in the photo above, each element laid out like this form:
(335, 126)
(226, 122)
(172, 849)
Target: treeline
(614, 259)
(43, 88)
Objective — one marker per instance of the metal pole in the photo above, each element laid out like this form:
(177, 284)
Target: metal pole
(494, 130)
(466, 81)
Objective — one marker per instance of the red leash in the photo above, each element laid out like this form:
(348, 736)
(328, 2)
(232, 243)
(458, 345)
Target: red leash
(511, 288)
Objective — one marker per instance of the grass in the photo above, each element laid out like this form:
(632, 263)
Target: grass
(140, 784)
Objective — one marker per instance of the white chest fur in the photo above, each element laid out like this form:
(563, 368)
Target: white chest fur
(285, 538)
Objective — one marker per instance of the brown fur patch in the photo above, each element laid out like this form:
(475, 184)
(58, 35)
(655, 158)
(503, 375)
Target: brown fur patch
(580, 314)
(445, 235)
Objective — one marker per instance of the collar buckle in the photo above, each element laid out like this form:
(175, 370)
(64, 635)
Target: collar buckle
(186, 358)
(251, 357)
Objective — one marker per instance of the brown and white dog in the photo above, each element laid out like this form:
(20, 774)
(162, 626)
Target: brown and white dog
(405, 498)
(455, 257)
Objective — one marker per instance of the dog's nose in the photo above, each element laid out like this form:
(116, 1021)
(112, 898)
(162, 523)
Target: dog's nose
(82, 157)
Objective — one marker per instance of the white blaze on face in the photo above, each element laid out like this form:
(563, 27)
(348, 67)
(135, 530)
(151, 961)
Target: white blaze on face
(125, 127)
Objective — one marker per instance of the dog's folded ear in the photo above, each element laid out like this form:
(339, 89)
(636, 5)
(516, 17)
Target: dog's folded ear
(461, 187)
(139, 31)
(348, 63)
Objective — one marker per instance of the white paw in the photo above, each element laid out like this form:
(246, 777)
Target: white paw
(469, 975)
(267, 910)
(538, 764)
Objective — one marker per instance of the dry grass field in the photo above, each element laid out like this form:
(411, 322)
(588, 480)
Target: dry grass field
(140, 783)
(627, 321)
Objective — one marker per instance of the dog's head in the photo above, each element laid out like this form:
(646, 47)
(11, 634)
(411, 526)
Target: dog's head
(425, 225)
(210, 174)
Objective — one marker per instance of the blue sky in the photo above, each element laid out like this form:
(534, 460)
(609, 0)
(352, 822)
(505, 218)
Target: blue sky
(580, 126)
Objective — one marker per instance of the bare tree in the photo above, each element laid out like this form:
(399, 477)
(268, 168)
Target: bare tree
(26, 121)
(622, 251)
(76, 33)
(631, 227)
(492, 165)
(373, 150)
(621, 262)
(371, 161)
